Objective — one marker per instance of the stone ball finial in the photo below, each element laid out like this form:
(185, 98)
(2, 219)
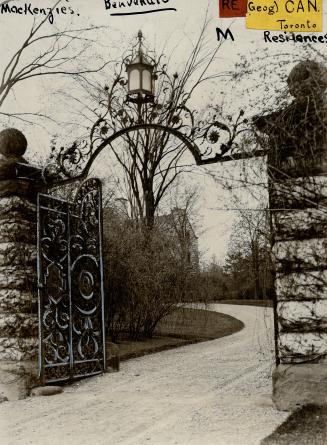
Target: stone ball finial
(307, 78)
(12, 142)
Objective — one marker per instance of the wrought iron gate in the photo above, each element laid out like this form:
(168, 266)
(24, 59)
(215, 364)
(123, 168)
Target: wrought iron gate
(70, 283)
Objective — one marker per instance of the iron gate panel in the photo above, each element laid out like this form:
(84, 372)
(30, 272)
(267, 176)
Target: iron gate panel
(70, 282)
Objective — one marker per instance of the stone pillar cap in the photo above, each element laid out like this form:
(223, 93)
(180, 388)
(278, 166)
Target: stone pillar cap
(307, 78)
(12, 143)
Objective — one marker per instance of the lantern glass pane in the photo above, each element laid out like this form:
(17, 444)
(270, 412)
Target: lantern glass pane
(147, 81)
(134, 80)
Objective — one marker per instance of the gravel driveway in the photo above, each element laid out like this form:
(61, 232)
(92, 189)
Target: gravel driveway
(210, 393)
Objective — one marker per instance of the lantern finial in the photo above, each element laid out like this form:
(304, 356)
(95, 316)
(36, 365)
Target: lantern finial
(140, 37)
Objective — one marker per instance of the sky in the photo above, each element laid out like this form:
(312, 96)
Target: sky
(175, 34)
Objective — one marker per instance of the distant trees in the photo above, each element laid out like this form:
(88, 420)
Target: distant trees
(213, 282)
(248, 262)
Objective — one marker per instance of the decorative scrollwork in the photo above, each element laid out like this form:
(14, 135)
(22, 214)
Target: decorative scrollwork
(70, 283)
(53, 283)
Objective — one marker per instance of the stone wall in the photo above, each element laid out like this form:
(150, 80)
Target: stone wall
(297, 166)
(18, 292)
(301, 275)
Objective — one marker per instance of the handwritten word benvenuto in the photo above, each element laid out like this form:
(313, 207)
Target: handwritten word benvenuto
(29, 9)
(132, 7)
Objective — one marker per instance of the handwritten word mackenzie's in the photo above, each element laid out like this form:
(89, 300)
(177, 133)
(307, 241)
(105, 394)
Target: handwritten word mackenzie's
(123, 4)
(29, 9)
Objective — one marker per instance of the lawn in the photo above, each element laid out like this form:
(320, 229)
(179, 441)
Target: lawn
(184, 326)
(264, 303)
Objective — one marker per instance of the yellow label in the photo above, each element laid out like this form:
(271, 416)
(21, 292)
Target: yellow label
(285, 15)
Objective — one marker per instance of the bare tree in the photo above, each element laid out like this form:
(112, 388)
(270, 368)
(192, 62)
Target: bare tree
(43, 53)
(248, 259)
(151, 159)
(183, 221)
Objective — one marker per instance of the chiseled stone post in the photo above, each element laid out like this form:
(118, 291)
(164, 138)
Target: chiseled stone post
(297, 165)
(18, 296)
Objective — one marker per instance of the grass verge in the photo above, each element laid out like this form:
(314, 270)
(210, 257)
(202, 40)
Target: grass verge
(182, 327)
(261, 303)
(306, 426)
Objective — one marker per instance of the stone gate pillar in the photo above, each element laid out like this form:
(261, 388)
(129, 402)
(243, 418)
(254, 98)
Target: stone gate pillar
(297, 166)
(18, 296)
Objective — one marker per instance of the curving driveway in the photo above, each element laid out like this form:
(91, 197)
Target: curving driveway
(213, 393)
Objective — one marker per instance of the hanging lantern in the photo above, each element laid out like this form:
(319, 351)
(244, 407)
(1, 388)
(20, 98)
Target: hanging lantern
(140, 77)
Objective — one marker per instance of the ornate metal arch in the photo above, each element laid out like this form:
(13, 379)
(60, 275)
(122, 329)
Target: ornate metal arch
(199, 158)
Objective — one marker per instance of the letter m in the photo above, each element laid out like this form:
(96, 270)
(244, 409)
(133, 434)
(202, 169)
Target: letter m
(224, 35)
(5, 8)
